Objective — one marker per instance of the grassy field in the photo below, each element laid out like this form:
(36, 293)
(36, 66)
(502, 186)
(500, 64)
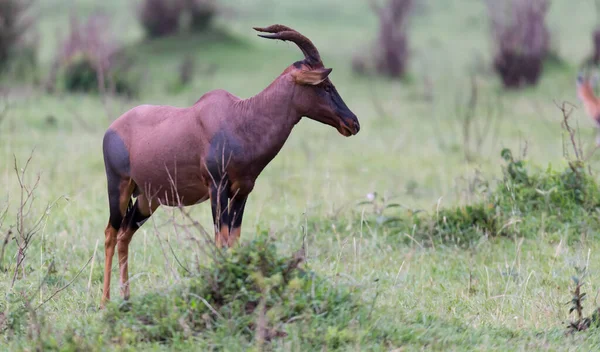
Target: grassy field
(497, 293)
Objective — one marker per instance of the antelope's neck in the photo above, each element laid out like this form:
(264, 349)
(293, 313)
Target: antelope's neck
(268, 119)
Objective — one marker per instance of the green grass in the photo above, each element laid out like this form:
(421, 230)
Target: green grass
(498, 293)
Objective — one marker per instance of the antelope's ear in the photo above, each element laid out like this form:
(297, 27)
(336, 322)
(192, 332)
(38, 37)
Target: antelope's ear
(311, 77)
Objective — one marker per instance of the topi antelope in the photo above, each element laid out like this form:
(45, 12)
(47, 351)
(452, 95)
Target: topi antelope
(215, 149)
(591, 103)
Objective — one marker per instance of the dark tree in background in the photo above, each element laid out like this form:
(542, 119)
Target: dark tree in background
(15, 25)
(521, 38)
(160, 18)
(391, 52)
(392, 43)
(201, 13)
(595, 57)
(89, 59)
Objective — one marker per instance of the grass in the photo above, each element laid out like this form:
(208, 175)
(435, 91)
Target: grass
(498, 293)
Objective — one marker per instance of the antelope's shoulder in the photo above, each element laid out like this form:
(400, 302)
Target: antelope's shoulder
(216, 96)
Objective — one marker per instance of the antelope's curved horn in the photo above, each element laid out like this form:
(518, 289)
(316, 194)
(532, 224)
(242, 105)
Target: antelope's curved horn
(281, 32)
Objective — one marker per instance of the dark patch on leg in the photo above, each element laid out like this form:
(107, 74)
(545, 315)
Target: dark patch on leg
(116, 155)
(134, 218)
(114, 199)
(236, 211)
(136, 191)
(116, 164)
(222, 148)
(219, 198)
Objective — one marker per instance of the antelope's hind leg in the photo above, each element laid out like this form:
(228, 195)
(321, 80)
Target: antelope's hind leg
(120, 189)
(136, 216)
(119, 199)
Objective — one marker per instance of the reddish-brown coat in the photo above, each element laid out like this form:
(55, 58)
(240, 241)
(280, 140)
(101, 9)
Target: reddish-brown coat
(585, 93)
(182, 156)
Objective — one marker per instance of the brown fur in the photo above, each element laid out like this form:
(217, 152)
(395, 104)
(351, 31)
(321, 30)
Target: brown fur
(591, 103)
(585, 93)
(216, 148)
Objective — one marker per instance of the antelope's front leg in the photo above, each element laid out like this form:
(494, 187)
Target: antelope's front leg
(219, 202)
(236, 213)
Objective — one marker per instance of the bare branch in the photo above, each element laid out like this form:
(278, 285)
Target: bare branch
(566, 109)
(25, 230)
(65, 286)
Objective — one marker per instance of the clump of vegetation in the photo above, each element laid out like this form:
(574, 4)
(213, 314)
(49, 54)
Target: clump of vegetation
(465, 225)
(250, 292)
(392, 47)
(521, 38)
(161, 18)
(90, 60)
(581, 322)
(594, 58)
(566, 196)
(15, 29)
(523, 202)
(202, 13)
(19, 312)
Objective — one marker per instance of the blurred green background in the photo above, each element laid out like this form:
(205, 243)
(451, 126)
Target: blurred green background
(423, 143)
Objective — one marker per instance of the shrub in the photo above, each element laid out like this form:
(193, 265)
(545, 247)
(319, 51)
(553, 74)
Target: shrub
(160, 17)
(466, 224)
(90, 59)
(524, 201)
(391, 49)
(251, 292)
(164, 17)
(567, 198)
(521, 38)
(202, 13)
(595, 59)
(15, 26)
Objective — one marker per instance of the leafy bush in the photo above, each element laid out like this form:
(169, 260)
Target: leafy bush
(90, 60)
(160, 17)
(595, 57)
(555, 199)
(164, 17)
(250, 293)
(466, 224)
(523, 203)
(15, 26)
(202, 13)
(522, 40)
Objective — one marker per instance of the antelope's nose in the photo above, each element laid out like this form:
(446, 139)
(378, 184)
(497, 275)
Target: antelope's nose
(354, 124)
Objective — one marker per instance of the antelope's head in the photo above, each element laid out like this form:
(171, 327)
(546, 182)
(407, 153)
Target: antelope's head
(315, 95)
